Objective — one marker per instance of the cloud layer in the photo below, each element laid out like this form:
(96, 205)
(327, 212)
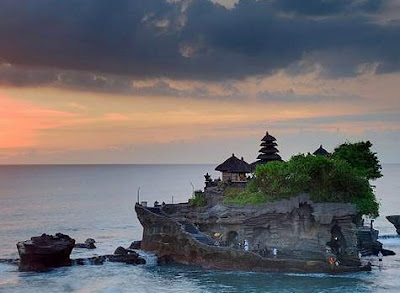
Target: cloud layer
(195, 39)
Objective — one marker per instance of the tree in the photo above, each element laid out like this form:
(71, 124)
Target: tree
(360, 157)
(324, 179)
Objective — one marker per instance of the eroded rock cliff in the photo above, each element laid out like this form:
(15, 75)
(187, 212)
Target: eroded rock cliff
(289, 235)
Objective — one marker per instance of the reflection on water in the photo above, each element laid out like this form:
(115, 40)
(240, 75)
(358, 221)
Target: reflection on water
(97, 201)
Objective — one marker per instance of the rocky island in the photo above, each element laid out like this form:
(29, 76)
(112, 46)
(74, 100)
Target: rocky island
(294, 235)
(304, 215)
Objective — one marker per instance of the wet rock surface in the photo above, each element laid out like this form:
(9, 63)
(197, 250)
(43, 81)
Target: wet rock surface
(395, 220)
(130, 258)
(121, 254)
(88, 244)
(135, 245)
(213, 237)
(121, 251)
(45, 252)
(126, 255)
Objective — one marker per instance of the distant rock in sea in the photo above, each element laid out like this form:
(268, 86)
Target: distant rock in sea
(45, 252)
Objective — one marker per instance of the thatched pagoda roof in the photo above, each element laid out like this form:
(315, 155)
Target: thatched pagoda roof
(269, 150)
(269, 157)
(268, 144)
(268, 138)
(234, 165)
(321, 151)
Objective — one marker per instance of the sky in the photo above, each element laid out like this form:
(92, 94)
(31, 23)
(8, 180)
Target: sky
(193, 81)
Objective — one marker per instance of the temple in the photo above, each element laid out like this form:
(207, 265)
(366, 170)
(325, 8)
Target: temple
(291, 234)
(268, 151)
(321, 152)
(234, 170)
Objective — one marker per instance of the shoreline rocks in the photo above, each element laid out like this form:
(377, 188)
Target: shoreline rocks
(88, 244)
(121, 255)
(395, 220)
(121, 251)
(135, 244)
(45, 252)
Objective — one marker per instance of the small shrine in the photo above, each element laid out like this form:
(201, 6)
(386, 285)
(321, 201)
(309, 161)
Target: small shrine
(234, 170)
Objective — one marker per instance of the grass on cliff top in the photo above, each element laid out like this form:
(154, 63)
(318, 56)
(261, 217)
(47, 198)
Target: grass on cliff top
(324, 179)
(251, 195)
(243, 197)
(198, 199)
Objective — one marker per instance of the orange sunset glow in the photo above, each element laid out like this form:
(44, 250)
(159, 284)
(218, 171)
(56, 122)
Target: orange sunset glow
(113, 100)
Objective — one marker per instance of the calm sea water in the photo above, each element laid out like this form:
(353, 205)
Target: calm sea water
(98, 202)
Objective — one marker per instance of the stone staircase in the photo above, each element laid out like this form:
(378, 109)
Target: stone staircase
(368, 241)
(196, 234)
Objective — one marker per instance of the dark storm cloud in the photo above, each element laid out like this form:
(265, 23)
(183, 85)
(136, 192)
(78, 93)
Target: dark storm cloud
(328, 7)
(194, 39)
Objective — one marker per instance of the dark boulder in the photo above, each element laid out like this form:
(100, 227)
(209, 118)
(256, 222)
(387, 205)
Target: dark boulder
(89, 244)
(395, 220)
(121, 251)
(131, 258)
(127, 256)
(135, 245)
(45, 252)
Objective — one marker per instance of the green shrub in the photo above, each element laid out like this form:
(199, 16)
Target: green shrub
(324, 179)
(198, 199)
(243, 197)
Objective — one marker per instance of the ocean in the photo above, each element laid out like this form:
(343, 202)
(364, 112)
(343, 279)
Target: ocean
(97, 201)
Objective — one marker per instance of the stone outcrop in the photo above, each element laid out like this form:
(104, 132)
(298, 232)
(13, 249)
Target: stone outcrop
(297, 228)
(88, 244)
(121, 251)
(129, 258)
(121, 254)
(395, 220)
(135, 245)
(247, 237)
(45, 252)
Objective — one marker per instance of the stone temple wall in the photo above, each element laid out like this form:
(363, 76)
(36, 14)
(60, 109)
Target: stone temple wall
(296, 227)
